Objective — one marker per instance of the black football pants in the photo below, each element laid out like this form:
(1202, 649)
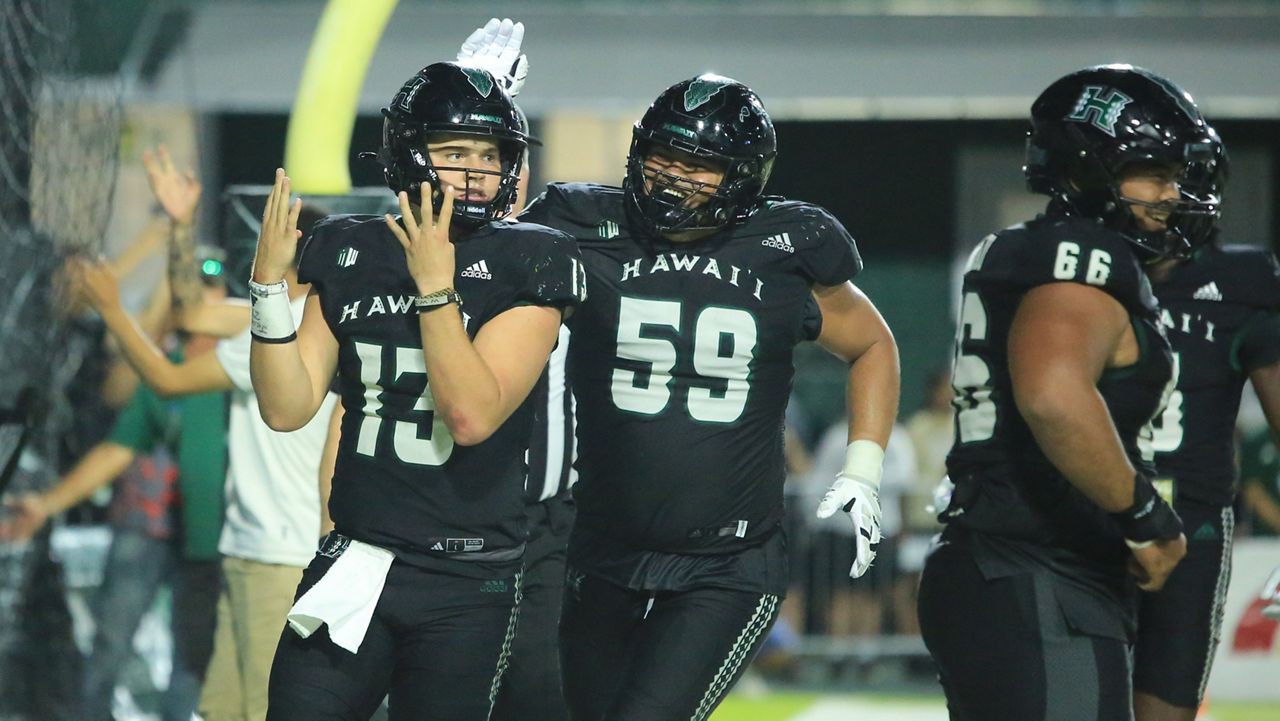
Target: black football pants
(1179, 626)
(437, 644)
(1005, 651)
(531, 685)
(644, 656)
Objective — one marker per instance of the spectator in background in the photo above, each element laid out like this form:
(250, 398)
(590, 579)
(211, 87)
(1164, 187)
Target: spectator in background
(272, 502)
(1260, 482)
(857, 607)
(932, 431)
(164, 517)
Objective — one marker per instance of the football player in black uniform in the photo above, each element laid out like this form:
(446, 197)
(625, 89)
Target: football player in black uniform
(1026, 603)
(1220, 311)
(680, 361)
(437, 323)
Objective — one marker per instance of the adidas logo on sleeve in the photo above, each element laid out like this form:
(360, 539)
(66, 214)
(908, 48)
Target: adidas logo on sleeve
(1208, 291)
(479, 269)
(781, 242)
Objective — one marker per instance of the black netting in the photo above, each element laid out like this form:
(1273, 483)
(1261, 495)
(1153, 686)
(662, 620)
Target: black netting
(57, 173)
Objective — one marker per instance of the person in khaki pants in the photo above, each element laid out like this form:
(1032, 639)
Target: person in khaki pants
(273, 504)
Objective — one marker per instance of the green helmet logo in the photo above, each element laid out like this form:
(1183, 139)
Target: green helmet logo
(1102, 111)
(480, 80)
(701, 89)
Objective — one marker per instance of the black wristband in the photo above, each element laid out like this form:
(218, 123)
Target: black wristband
(274, 341)
(1149, 518)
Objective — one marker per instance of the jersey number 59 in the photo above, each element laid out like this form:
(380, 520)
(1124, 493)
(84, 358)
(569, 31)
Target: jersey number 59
(724, 343)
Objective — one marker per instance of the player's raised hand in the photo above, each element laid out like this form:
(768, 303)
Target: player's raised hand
(177, 192)
(278, 237)
(427, 249)
(861, 501)
(496, 48)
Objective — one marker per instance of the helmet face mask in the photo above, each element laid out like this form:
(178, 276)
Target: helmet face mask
(445, 100)
(683, 200)
(722, 124)
(1088, 128)
(1203, 184)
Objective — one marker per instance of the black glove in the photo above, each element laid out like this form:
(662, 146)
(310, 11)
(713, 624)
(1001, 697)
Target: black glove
(1150, 518)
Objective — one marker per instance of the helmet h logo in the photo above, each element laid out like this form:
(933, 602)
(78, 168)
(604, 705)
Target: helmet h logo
(701, 90)
(480, 80)
(404, 99)
(1102, 111)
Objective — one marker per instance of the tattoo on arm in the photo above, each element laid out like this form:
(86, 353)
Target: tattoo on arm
(184, 277)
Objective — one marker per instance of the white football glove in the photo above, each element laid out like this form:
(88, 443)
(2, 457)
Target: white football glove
(496, 48)
(862, 502)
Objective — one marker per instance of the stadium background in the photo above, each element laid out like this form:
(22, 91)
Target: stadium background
(903, 117)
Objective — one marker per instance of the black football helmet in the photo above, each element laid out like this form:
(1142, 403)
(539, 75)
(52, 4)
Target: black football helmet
(449, 98)
(1087, 127)
(711, 117)
(1205, 181)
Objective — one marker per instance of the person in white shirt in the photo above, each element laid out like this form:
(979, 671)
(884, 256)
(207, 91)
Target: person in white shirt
(273, 505)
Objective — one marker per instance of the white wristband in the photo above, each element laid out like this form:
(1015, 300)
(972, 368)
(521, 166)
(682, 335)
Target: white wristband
(864, 460)
(262, 290)
(271, 320)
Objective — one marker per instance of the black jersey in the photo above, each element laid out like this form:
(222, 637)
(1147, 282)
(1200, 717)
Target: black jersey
(401, 482)
(1005, 485)
(681, 363)
(1220, 313)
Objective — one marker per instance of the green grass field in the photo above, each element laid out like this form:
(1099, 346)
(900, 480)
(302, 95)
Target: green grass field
(789, 706)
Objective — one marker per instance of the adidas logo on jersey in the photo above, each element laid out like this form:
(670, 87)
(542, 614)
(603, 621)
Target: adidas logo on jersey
(347, 257)
(479, 270)
(608, 229)
(781, 242)
(1209, 291)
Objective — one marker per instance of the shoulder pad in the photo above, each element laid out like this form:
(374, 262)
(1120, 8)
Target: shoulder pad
(310, 263)
(822, 243)
(577, 208)
(1064, 250)
(549, 262)
(1251, 275)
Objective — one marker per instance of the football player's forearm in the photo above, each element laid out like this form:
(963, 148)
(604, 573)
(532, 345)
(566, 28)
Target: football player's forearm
(466, 393)
(184, 277)
(1073, 428)
(282, 383)
(873, 392)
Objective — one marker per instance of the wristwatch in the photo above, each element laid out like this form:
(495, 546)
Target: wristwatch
(431, 301)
